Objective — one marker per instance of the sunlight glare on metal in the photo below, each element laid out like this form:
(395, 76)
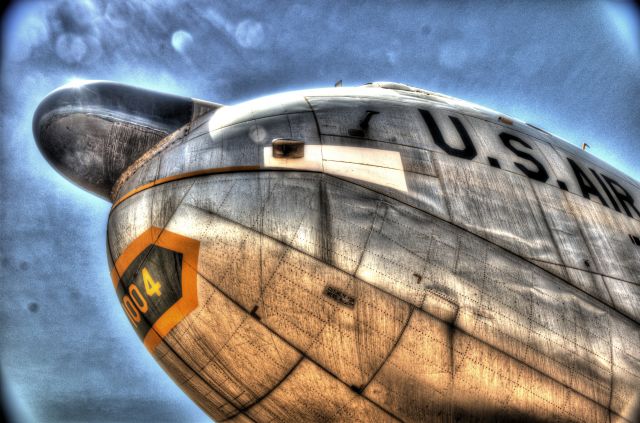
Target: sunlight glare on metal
(76, 83)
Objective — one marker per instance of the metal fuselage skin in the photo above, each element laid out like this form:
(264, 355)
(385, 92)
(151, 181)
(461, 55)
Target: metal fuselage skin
(426, 260)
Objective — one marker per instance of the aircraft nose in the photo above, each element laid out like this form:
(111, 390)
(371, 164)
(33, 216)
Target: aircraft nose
(91, 132)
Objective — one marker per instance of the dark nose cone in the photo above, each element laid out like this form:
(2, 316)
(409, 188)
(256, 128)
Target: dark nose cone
(92, 132)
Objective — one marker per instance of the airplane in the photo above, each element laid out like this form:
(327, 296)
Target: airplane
(372, 253)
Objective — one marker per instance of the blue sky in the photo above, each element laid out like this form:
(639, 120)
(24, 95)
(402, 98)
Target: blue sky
(66, 349)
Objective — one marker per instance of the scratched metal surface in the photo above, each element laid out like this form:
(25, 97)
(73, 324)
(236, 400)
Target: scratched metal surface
(383, 277)
(443, 324)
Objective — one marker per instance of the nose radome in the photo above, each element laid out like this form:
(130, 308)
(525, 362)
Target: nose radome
(92, 131)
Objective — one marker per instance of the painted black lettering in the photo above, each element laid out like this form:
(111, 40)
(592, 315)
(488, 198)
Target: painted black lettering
(606, 190)
(540, 174)
(586, 186)
(469, 150)
(623, 196)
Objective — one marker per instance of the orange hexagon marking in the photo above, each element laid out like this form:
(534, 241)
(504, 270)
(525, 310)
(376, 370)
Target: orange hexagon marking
(189, 249)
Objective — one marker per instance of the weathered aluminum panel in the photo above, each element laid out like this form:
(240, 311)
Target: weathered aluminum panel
(326, 400)
(146, 174)
(227, 148)
(606, 233)
(207, 398)
(131, 219)
(498, 309)
(625, 351)
(240, 359)
(394, 123)
(128, 222)
(274, 105)
(499, 206)
(411, 178)
(341, 115)
(576, 263)
(624, 296)
(417, 315)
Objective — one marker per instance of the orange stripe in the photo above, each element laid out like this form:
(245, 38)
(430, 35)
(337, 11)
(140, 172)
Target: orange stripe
(187, 175)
